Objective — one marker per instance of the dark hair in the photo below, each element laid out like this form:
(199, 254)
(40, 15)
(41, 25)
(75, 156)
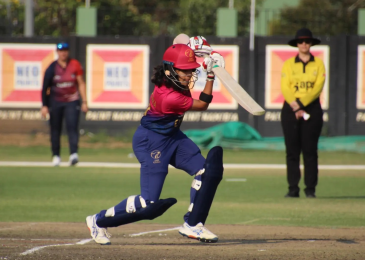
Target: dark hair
(159, 78)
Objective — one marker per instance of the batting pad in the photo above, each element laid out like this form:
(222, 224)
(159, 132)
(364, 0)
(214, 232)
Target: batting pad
(210, 180)
(151, 211)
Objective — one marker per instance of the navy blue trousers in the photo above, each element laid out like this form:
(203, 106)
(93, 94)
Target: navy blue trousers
(155, 152)
(70, 111)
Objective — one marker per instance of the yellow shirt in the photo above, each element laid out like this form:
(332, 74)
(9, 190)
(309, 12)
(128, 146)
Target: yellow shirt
(302, 81)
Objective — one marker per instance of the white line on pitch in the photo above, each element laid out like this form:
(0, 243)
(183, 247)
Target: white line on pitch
(85, 241)
(258, 219)
(137, 165)
(154, 231)
(34, 249)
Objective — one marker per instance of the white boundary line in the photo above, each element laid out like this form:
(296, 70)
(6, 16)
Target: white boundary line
(85, 241)
(154, 231)
(137, 165)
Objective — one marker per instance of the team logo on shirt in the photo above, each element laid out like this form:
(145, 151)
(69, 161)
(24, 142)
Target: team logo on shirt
(64, 85)
(303, 86)
(156, 154)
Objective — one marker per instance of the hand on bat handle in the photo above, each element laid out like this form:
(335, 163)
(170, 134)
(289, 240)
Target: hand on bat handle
(202, 48)
(213, 59)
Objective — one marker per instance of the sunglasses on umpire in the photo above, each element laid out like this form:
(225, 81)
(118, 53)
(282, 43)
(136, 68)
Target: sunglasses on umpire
(307, 41)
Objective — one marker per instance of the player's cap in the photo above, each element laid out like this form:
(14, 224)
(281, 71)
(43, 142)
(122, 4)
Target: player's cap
(63, 46)
(180, 56)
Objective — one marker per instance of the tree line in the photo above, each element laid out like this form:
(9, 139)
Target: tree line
(166, 17)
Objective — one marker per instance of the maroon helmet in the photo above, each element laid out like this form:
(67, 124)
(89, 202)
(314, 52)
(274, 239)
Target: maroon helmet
(180, 56)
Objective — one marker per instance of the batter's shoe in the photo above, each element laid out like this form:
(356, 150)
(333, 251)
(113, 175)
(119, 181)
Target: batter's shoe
(74, 158)
(56, 160)
(198, 232)
(100, 235)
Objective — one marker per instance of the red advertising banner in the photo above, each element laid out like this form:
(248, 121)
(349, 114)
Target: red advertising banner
(276, 55)
(117, 76)
(22, 67)
(360, 97)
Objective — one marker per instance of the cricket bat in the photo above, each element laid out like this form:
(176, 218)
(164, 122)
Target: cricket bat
(235, 89)
(237, 92)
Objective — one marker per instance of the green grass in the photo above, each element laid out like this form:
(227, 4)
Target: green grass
(70, 194)
(42, 153)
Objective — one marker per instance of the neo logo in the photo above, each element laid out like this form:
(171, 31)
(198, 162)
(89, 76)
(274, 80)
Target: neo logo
(117, 72)
(27, 71)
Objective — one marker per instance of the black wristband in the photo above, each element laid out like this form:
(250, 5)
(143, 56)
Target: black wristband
(205, 97)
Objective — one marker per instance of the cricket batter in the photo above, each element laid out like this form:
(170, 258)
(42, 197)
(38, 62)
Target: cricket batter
(158, 142)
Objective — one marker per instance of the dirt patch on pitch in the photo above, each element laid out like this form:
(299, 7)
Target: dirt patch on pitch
(60, 241)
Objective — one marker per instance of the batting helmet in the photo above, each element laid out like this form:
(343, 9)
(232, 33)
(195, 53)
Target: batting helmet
(180, 56)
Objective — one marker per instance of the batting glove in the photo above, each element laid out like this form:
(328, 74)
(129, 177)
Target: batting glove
(214, 59)
(200, 46)
(217, 59)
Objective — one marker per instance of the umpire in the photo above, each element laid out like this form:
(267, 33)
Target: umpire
(302, 81)
(63, 85)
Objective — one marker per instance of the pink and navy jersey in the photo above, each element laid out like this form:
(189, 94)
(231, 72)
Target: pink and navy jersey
(62, 82)
(166, 110)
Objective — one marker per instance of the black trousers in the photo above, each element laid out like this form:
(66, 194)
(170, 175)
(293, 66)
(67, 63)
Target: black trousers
(71, 112)
(302, 136)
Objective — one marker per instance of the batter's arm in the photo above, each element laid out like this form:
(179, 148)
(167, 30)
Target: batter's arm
(199, 105)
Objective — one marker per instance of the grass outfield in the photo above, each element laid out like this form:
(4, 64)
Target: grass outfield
(43, 153)
(70, 194)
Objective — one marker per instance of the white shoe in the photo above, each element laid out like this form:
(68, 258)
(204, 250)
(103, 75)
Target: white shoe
(74, 158)
(100, 235)
(56, 160)
(198, 232)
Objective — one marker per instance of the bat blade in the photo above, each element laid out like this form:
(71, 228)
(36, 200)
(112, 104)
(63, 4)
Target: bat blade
(238, 93)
